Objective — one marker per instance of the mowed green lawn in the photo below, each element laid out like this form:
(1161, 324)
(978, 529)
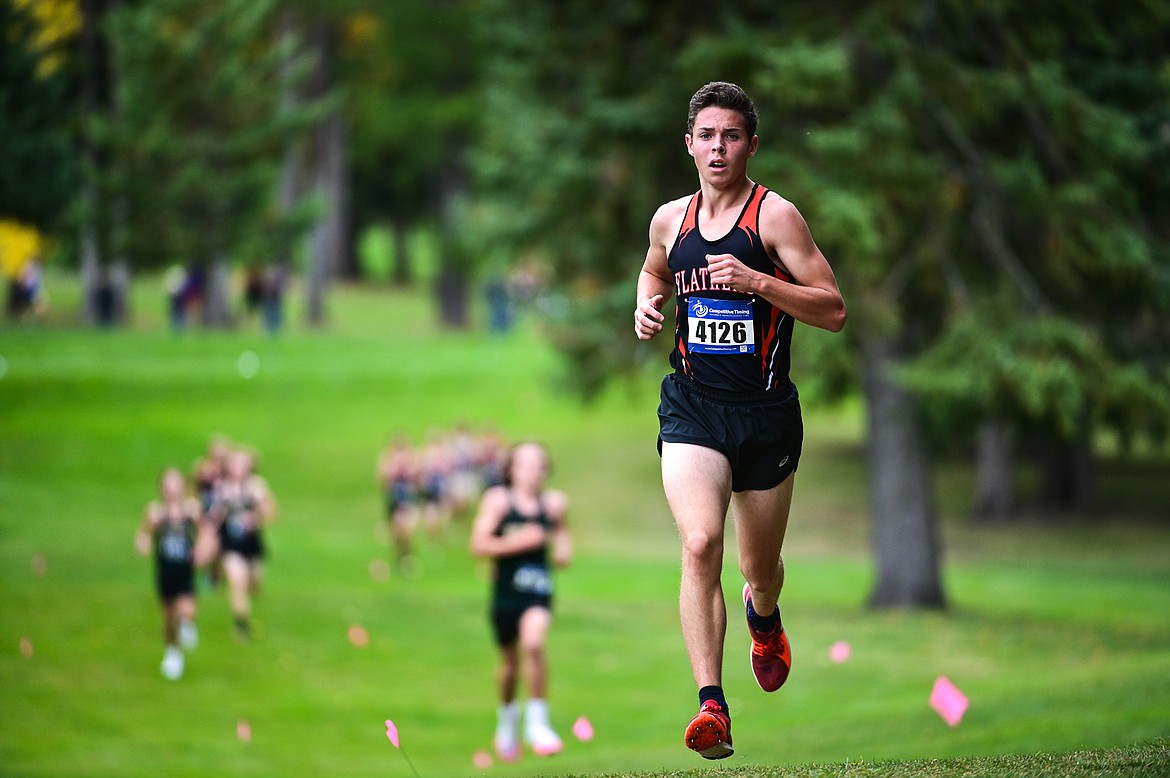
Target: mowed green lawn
(1060, 637)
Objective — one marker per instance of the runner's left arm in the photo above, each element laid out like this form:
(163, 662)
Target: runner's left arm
(557, 505)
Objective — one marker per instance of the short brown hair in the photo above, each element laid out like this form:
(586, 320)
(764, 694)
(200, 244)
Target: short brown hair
(721, 94)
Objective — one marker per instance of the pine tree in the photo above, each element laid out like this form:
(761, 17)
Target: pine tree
(37, 167)
(197, 134)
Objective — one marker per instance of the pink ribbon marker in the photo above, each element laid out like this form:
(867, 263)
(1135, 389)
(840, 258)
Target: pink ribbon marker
(583, 729)
(392, 736)
(948, 701)
(392, 733)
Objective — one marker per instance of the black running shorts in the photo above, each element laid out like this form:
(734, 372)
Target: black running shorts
(506, 620)
(174, 580)
(760, 434)
(249, 545)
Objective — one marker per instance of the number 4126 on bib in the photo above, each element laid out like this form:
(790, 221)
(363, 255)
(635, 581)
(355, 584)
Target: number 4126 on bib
(720, 326)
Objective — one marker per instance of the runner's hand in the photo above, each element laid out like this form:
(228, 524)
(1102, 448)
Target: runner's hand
(648, 318)
(726, 269)
(528, 536)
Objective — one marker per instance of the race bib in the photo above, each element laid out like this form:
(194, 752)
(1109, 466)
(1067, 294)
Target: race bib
(720, 326)
(533, 579)
(238, 525)
(174, 547)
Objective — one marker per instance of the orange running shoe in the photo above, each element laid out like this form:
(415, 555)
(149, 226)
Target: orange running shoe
(709, 733)
(771, 655)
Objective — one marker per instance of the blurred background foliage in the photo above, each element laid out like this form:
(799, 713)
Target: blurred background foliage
(988, 181)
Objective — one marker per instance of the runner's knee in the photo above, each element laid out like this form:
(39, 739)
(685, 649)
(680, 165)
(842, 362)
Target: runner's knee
(763, 575)
(702, 548)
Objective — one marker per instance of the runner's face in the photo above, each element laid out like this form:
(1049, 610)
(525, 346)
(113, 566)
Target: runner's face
(720, 145)
(529, 466)
(172, 485)
(239, 465)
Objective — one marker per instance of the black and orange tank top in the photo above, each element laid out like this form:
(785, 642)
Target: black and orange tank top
(728, 340)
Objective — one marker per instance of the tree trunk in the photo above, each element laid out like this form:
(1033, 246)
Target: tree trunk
(122, 280)
(402, 274)
(994, 472)
(217, 307)
(905, 540)
(90, 268)
(1066, 476)
(452, 289)
(94, 91)
(330, 238)
(288, 190)
(327, 236)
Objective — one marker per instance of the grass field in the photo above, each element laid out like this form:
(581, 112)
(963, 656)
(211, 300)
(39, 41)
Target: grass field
(1060, 636)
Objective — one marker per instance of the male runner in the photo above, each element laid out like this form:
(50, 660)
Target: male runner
(743, 265)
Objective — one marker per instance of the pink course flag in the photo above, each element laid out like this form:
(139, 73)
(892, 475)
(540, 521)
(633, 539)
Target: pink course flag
(392, 733)
(948, 701)
(392, 736)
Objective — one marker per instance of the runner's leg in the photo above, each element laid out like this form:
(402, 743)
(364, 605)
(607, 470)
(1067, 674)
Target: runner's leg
(761, 520)
(534, 624)
(697, 482)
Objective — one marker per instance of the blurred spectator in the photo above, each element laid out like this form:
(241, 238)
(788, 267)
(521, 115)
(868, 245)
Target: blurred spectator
(253, 290)
(264, 294)
(194, 286)
(106, 299)
(175, 283)
(499, 301)
(272, 296)
(26, 294)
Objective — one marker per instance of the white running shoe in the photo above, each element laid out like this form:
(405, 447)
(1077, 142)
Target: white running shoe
(537, 732)
(188, 635)
(507, 739)
(172, 664)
